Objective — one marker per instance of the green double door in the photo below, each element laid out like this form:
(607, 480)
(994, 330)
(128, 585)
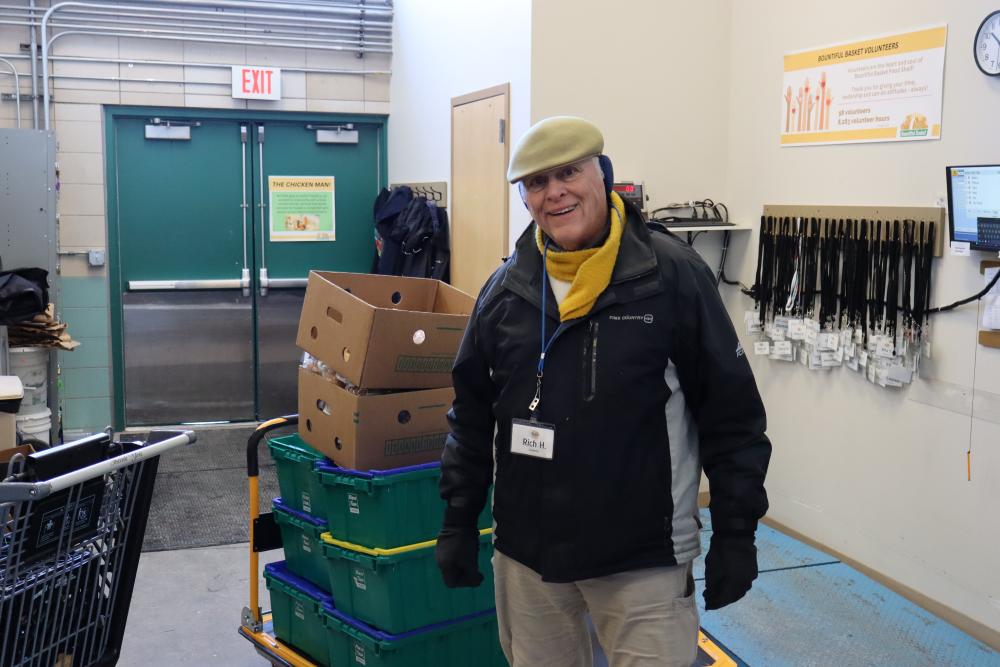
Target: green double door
(208, 298)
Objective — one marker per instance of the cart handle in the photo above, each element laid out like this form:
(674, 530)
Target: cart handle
(253, 468)
(22, 491)
(252, 617)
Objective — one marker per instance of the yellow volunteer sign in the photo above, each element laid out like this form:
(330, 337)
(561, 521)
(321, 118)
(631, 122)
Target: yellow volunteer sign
(886, 88)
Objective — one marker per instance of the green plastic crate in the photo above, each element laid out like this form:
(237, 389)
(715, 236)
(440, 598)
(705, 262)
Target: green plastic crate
(384, 508)
(472, 640)
(397, 590)
(301, 537)
(293, 462)
(297, 612)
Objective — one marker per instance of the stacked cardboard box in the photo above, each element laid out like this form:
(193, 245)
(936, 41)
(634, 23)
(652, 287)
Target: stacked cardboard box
(388, 343)
(373, 398)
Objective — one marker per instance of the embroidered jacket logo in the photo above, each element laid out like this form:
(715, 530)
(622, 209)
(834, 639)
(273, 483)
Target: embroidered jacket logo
(645, 319)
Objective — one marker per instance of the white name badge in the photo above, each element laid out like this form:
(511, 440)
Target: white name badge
(533, 439)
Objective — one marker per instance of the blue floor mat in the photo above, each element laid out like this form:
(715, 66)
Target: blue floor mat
(806, 609)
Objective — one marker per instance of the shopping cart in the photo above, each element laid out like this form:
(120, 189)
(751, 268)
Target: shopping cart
(72, 520)
(264, 536)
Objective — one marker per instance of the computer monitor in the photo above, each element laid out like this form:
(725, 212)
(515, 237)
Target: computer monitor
(974, 205)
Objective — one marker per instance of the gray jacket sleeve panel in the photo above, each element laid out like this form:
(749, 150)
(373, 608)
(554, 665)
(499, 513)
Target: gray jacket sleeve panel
(722, 394)
(467, 460)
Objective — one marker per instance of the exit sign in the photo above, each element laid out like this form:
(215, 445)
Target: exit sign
(256, 83)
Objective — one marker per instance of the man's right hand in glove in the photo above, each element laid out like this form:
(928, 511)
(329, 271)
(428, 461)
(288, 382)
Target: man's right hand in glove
(457, 550)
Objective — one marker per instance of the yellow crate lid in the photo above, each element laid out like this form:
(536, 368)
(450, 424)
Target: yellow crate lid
(330, 539)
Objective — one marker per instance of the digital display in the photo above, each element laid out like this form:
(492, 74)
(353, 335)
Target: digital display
(974, 205)
(625, 188)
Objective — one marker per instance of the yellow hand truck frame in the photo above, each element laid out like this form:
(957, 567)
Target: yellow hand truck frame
(264, 536)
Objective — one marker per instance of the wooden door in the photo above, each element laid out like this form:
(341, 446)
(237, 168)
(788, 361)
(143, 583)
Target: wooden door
(479, 185)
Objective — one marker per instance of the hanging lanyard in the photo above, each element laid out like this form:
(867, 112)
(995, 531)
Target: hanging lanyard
(545, 344)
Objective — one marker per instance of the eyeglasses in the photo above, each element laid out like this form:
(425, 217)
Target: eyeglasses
(565, 174)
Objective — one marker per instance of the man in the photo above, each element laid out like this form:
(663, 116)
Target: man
(598, 375)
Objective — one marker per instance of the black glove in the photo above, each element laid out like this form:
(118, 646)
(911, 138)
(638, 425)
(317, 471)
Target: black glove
(457, 549)
(730, 568)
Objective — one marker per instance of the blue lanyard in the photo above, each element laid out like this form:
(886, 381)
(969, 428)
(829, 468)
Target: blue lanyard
(545, 345)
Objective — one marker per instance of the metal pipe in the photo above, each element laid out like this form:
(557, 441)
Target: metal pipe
(181, 34)
(177, 63)
(324, 8)
(241, 4)
(34, 66)
(241, 27)
(217, 40)
(212, 17)
(258, 19)
(17, 89)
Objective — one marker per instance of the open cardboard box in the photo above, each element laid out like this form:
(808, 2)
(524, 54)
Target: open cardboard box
(373, 431)
(384, 332)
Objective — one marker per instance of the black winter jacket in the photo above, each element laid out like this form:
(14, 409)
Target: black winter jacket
(644, 391)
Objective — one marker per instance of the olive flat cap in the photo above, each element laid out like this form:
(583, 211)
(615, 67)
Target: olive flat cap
(553, 142)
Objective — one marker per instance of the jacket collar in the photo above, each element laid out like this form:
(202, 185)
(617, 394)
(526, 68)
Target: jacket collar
(636, 259)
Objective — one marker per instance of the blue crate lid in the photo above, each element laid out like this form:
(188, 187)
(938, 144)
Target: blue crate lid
(280, 505)
(323, 466)
(385, 636)
(280, 572)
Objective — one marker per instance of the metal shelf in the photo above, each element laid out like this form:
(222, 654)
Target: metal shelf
(711, 228)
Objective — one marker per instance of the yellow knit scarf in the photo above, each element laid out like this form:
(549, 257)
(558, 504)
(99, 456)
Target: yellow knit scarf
(588, 271)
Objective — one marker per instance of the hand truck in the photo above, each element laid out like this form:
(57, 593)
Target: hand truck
(264, 536)
(72, 521)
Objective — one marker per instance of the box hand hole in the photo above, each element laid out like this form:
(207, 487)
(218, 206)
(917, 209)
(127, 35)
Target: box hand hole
(322, 406)
(309, 425)
(403, 416)
(396, 297)
(346, 353)
(338, 443)
(334, 315)
(419, 337)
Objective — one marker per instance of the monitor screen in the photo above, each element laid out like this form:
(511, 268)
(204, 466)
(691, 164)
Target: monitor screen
(974, 205)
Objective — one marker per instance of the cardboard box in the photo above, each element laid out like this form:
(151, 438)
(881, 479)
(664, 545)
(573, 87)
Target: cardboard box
(373, 431)
(384, 332)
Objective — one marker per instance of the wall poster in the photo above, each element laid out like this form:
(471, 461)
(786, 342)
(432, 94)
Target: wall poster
(302, 208)
(881, 89)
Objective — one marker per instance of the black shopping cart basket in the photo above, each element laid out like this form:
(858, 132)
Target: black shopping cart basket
(72, 520)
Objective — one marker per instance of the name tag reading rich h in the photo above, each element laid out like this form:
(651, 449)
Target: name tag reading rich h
(532, 438)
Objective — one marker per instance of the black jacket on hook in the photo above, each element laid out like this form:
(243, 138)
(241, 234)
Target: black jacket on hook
(411, 236)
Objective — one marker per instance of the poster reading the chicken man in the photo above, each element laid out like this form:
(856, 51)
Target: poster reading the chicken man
(302, 208)
(880, 89)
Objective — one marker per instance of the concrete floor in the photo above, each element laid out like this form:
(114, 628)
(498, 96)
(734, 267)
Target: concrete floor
(805, 609)
(186, 608)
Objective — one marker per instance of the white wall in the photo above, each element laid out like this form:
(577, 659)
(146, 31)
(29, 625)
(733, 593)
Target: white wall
(876, 474)
(653, 76)
(688, 96)
(444, 49)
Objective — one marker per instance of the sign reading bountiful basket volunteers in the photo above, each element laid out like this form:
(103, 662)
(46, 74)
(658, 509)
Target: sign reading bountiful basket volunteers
(302, 208)
(881, 89)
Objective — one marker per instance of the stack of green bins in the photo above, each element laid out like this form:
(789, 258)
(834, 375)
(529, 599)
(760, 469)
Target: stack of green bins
(300, 584)
(297, 612)
(383, 508)
(293, 462)
(380, 561)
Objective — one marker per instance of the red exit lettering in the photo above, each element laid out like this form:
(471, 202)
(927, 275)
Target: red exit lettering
(257, 82)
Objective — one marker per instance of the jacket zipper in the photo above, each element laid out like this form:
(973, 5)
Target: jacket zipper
(590, 363)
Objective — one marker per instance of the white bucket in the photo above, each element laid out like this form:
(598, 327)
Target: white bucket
(31, 364)
(35, 425)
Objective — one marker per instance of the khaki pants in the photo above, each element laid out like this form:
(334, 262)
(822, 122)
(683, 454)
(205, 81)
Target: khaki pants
(643, 618)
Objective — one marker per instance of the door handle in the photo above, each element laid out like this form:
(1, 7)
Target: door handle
(287, 282)
(263, 214)
(182, 285)
(245, 279)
